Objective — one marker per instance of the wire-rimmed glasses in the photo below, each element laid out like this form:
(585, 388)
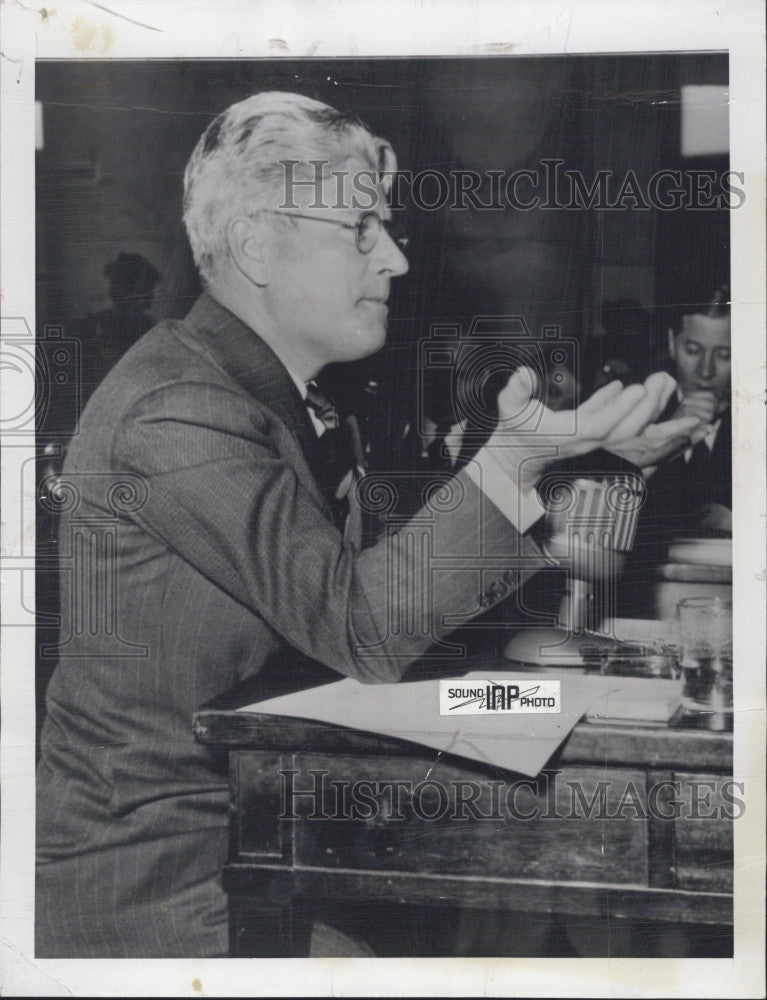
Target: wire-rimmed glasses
(367, 228)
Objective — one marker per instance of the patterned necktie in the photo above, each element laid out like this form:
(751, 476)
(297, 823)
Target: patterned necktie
(340, 461)
(322, 406)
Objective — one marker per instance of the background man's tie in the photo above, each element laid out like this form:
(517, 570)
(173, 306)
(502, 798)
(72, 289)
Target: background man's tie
(438, 457)
(700, 468)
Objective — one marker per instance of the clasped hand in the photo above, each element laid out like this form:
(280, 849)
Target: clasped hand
(530, 437)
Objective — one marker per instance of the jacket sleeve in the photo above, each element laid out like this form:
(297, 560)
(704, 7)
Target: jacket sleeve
(223, 498)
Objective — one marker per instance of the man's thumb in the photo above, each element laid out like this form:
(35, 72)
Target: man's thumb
(518, 398)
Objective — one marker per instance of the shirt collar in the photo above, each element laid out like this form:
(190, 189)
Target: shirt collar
(317, 424)
(300, 384)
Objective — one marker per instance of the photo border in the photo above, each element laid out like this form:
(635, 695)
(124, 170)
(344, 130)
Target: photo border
(125, 30)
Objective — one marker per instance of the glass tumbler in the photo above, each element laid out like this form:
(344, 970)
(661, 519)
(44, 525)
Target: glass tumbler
(705, 640)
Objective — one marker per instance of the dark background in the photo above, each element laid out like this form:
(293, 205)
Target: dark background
(117, 136)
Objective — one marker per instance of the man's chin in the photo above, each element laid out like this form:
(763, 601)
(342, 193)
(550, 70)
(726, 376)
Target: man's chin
(369, 341)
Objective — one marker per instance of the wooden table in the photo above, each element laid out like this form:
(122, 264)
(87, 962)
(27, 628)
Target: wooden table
(656, 844)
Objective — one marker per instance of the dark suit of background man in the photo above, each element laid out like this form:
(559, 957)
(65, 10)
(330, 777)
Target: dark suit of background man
(200, 542)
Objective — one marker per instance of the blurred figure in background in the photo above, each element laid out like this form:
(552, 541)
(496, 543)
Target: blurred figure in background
(628, 350)
(105, 336)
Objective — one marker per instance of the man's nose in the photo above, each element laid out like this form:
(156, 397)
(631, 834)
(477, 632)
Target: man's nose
(706, 365)
(391, 258)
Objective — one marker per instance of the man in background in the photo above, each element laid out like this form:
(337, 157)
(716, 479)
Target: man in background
(699, 346)
(691, 494)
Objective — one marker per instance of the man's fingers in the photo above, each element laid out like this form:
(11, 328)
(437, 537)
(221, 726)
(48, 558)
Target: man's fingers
(598, 423)
(646, 454)
(657, 443)
(518, 401)
(673, 446)
(657, 387)
(702, 394)
(520, 387)
(701, 410)
(601, 397)
(701, 431)
(656, 433)
(701, 403)
(687, 425)
(661, 385)
(636, 419)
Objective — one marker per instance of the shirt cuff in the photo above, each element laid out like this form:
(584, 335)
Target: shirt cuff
(522, 510)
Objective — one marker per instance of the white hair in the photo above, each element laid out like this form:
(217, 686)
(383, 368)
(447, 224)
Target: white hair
(235, 167)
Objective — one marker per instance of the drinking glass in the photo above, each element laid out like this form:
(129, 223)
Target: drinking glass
(705, 637)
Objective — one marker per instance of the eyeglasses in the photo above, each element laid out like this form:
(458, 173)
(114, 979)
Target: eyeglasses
(367, 229)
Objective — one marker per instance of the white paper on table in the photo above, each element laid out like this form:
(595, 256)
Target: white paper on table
(410, 711)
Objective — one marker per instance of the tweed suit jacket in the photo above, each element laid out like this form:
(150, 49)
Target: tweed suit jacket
(197, 546)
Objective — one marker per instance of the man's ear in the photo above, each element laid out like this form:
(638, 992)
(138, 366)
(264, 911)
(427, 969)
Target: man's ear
(247, 240)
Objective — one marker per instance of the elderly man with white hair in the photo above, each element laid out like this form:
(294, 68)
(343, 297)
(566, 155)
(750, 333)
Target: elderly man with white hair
(208, 523)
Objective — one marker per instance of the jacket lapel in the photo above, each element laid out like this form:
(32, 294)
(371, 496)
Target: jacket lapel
(254, 366)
